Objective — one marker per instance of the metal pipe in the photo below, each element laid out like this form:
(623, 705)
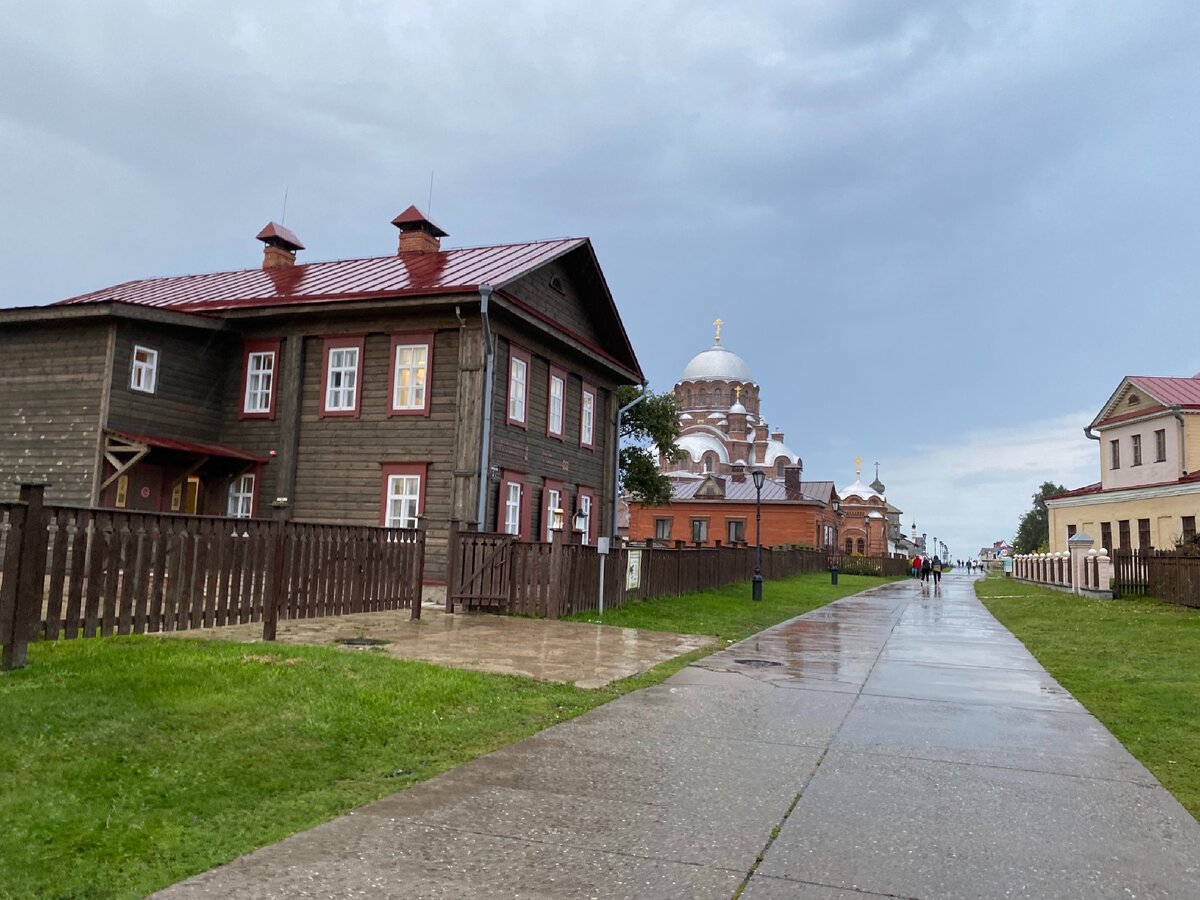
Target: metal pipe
(617, 454)
(1182, 438)
(485, 293)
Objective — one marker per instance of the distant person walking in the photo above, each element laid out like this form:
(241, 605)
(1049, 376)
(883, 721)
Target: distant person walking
(937, 572)
(926, 568)
(915, 568)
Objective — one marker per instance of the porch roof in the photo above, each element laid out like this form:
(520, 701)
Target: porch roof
(182, 446)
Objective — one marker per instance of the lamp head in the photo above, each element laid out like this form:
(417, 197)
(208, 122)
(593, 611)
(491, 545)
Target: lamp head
(759, 477)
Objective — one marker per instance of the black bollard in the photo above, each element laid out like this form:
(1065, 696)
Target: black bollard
(833, 575)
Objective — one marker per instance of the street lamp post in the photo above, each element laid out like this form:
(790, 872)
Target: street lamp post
(756, 588)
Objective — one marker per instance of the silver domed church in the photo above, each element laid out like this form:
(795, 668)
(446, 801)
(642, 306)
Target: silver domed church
(720, 418)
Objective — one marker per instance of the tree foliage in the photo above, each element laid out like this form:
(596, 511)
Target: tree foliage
(1033, 532)
(653, 423)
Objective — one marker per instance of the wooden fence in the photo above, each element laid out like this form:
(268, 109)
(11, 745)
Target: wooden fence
(497, 573)
(74, 572)
(1158, 573)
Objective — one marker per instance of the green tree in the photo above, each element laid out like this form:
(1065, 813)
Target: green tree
(654, 421)
(1033, 532)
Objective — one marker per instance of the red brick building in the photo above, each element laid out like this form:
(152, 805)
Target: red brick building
(706, 510)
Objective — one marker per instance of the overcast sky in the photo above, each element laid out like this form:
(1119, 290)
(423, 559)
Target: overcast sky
(939, 233)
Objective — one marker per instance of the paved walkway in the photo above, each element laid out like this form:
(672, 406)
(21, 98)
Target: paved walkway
(588, 656)
(891, 744)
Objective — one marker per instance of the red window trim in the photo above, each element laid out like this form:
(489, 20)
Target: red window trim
(517, 352)
(271, 345)
(410, 338)
(507, 477)
(556, 372)
(341, 342)
(580, 493)
(589, 389)
(388, 469)
(550, 484)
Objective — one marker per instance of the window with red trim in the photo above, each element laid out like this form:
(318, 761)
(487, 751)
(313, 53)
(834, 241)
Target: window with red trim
(587, 416)
(402, 499)
(519, 367)
(552, 499)
(512, 511)
(411, 366)
(260, 373)
(556, 403)
(341, 386)
(585, 503)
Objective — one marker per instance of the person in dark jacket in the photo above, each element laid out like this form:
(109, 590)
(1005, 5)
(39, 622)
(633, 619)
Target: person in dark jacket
(937, 571)
(926, 568)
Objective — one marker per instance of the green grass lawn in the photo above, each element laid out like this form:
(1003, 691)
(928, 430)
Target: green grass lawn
(127, 764)
(729, 613)
(1135, 664)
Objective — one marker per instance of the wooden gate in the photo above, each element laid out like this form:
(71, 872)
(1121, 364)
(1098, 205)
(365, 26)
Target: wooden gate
(479, 569)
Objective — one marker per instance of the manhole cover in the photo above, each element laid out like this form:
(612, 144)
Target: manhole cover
(757, 663)
(361, 642)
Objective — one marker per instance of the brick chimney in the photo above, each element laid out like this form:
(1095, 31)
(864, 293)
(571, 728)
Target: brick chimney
(792, 476)
(418, 233)
(738, 471)
(281, 246)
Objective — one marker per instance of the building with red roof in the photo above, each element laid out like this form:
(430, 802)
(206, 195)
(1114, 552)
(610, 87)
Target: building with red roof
(1148, 495)
(474, 384)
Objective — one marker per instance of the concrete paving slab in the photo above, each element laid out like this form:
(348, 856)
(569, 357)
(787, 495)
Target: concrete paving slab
(417, 862)
(934, 829)
(748, 712)
(908, 648)
(762, 887)
(994, 687)
(579, 653)
(984, 734)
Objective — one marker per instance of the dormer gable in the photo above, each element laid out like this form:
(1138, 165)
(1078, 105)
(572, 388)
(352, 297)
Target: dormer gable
(713, 488)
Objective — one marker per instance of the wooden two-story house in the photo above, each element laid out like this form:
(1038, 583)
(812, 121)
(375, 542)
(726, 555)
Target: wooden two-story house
(361, 391)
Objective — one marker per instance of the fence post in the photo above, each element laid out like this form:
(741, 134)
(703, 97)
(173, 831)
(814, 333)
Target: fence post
(453, 564)
(422, 532)
(26, 592)
(554, 596)
(276, 595)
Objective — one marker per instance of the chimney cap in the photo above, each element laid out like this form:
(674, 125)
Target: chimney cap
(412, 219)
(276, 235)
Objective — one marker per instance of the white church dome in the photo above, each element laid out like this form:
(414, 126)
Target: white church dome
(716, 364)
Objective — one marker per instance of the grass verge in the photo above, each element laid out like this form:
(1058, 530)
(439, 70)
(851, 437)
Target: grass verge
(1133, 663)
(129, 763)
(729, 613)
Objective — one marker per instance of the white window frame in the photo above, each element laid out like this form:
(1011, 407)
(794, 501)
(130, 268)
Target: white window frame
(143, 374)
(1160, 445)
(585, 507)
(241, 496)
(418, 381)
(553, 502)
(512, 507)
(587, 418)
(403, 501)
(343, 396)
(518, 388)
(554, 415)
(1137, 450)
(658, 535)
(260, 381)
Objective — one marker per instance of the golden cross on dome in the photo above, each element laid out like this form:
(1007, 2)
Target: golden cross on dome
(718, 323)
(857, 466)
(737, 392)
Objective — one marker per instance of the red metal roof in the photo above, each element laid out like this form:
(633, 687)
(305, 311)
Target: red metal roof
(1098, 489)
(1170, 391)
(407, 274)
(168, 443)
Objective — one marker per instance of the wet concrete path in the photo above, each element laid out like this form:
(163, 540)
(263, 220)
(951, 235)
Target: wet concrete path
(891, 744)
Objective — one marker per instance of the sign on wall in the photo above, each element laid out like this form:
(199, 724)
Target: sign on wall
(633, 570)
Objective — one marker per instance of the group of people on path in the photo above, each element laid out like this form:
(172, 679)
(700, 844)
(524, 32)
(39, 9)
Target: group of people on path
(924, 566)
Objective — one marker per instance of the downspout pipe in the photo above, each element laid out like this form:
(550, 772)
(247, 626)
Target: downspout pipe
(485, 441)
(617, 454)
(1182, 438)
